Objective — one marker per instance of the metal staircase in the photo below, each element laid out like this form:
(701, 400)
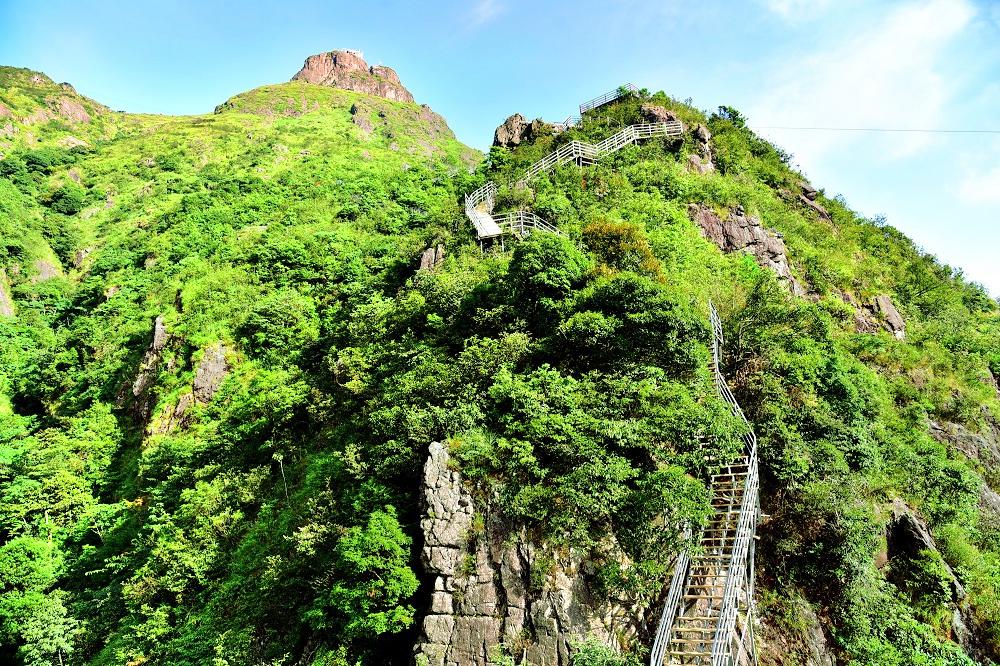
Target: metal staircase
(480, 202)
(708, 618)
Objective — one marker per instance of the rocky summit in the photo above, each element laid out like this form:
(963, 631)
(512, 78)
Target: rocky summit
(347, 69)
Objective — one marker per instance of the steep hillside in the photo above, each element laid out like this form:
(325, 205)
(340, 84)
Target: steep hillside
(264, 399)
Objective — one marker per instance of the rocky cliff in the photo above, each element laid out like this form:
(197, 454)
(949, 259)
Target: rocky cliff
(497, 593)
(348, 70)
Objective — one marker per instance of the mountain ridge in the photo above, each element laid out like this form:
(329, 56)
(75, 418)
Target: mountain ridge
(237, 401)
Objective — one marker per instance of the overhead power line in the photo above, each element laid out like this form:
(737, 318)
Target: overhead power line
(883, 129)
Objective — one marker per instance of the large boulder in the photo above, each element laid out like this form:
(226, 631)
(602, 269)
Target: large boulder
(654, 113)
(348, 70)
(742, 232)
(892, 320)
(516, 129)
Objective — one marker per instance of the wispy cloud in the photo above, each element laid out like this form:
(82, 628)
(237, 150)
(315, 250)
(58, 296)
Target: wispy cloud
(792, 9)
(484, 11)
(981, 188)
(886, 75)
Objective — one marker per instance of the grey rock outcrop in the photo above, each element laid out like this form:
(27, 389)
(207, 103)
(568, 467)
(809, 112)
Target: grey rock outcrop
(6, 302)
(482, 598)
(804, 642)
(892, 320)
(654, 113)
(879, 313)
(360, 116)
(742, 232)
(148, 370)
(347, 70)
(516, 129)
(701, 160)
(46, 270)
(907, 535)
(209, 375)
(432, 257)
(212, 369)
(809, 203)
(983, 447)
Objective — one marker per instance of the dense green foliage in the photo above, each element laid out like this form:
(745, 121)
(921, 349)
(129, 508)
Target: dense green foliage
(277, 521)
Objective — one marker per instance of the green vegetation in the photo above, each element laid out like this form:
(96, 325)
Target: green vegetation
(277, 522)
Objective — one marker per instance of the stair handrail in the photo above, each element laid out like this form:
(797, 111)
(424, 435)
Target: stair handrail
(677, 585)
(608, 97)
(747, 524)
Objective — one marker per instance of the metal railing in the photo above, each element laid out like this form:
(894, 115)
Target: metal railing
(677, 585)
(729, 643)
(580, 151)
(479, 203)
(608, 97)
(563, 125)
(521, 223)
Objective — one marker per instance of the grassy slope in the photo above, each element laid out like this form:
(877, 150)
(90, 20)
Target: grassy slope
(259, 532)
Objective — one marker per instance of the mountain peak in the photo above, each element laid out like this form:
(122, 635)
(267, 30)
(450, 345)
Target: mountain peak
(347, 69)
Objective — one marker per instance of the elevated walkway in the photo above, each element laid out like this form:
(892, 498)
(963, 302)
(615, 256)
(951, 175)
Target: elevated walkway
(479, 204)
(708, 618)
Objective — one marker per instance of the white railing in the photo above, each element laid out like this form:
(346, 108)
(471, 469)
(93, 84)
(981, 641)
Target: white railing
(728, 645)
(587, 152)
(563, 125)
(677, 585)
(740, 577)
(606, 98)
(521, 223)
(479, 203)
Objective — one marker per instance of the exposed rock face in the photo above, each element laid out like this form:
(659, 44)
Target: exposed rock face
(209, 375)
(740, 231)
(701, 160)
(879, 313)
(907, 534)
(81, 255)
(212, 369)
(432, 257)
(46, 270)
(348, 70)
(807, 643)
(482, 595)
(893, 321)
(4, 111)
(360, 116)
(6, 302)
(72, 110)
(653, 113)
(810, 203)
(148, 369)
(517, 130)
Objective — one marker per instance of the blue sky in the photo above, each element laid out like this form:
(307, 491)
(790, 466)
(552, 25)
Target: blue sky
(799, 63)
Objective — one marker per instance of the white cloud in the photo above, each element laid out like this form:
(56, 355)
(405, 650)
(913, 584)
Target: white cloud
(790, 9)
(981, 188)
(885, 75)
(484, 11)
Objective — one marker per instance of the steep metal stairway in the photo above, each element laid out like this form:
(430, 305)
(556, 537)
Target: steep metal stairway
(708, 618)
(480, 202)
